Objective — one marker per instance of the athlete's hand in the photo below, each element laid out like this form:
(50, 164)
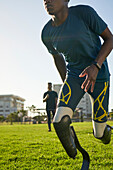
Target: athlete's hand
(47, 96)
(91, 74)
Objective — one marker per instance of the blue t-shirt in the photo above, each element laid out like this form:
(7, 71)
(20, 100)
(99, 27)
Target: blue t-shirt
(77, 39)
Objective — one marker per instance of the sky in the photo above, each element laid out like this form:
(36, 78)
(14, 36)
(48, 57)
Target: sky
(25, 64)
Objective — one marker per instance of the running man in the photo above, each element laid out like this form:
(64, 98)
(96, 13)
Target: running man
(50, 97)
(73, 35)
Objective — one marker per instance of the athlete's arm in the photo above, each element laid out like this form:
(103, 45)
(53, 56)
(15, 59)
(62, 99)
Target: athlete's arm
(106, 47)
(91, 72)
(56, 103)
(60, 65)
(45, 98)
(56, 100)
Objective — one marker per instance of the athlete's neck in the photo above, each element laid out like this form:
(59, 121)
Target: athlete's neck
(49, 89)
(60, 17)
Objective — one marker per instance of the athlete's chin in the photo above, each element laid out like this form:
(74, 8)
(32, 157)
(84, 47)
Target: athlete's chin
(50, 11)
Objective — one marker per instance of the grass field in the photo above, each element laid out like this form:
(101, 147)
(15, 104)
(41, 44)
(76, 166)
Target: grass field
(32, 147)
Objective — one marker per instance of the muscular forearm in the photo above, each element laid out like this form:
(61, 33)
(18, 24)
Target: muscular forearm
(46, 97)
(44, 100)
(106, 47)
(105, 50)
(60, 65)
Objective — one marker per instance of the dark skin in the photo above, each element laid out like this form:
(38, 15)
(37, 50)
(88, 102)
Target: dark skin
(91, 71)
(58, 9)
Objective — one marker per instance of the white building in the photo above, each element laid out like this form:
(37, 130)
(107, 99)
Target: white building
(84, 105)
(57, 87)
(10, 104)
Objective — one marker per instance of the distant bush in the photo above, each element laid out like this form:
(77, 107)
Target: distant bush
(2, 118)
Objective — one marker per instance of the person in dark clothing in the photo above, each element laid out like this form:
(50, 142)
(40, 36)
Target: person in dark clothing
(50, 97)
(72, 37)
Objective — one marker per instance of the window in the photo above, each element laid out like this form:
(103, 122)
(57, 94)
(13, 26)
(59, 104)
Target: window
(7, 110)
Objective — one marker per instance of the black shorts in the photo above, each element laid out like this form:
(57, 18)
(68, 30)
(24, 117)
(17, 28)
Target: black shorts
(71, 94)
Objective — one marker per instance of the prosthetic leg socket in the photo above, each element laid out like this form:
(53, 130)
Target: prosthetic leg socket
(106, 138)
(64, 133)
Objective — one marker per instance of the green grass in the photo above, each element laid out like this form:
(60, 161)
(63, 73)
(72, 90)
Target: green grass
(32, 147)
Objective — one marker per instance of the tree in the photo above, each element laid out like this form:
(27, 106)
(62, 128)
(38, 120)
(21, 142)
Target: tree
(2, 118)
(12, 117)
(31, 108)
(22, 114)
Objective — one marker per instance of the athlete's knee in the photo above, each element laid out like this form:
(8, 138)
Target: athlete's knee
(62, 111)
(102, 131)
(63, 130)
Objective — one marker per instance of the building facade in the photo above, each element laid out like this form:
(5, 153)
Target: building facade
(10, 104)
(84, 107)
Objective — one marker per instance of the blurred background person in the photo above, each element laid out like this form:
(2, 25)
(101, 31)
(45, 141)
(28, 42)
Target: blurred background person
(50, 97)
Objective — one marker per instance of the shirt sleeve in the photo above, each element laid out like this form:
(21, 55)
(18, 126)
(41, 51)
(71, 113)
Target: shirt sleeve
(46, 39)
(44, 95)
(92, 19)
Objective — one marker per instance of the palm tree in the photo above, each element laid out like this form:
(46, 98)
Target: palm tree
(22, 113)
(12, 117)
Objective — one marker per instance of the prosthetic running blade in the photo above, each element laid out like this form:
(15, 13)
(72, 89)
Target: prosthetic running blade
(69, 140)
(86, 158)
